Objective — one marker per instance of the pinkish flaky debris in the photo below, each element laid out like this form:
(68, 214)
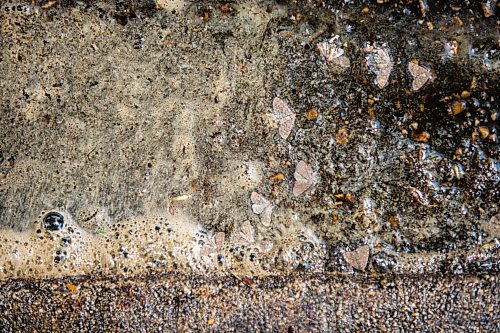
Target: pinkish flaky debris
(380, 63)
(285, 116)
(358, 258)
(333, 53)
(247, 233)
(261, 206)
(214, 244)
(421, 75)
(304, 178)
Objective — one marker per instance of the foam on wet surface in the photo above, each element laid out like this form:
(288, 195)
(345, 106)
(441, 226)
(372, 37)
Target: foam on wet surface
(147, 244)
(164, 243)
(172, 113)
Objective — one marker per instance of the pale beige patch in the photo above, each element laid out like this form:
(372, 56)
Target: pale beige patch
(285, 116)
(261, 206)
(421, 75)
(304, 178)
(247, 233)
(358, 258)
(380, 63)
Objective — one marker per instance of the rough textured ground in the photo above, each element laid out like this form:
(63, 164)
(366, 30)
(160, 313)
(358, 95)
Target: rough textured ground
(148, 126)
(221, 303)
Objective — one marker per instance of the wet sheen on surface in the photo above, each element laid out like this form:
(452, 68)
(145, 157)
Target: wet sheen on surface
(257, 139)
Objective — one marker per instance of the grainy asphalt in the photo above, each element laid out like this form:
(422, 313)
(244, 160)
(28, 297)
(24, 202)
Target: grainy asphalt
(183, 303)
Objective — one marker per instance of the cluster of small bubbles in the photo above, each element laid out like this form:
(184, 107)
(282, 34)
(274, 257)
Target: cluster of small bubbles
(66, 241)
(60, 255)
(133, 246)
(17, 9)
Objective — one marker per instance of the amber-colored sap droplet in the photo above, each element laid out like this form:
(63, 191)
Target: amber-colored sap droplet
(312, 114)
(72, 287)
(421, 137)
(457, 107)
(279, 177)
(394, 222)
(342, 136)
(483, 131)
